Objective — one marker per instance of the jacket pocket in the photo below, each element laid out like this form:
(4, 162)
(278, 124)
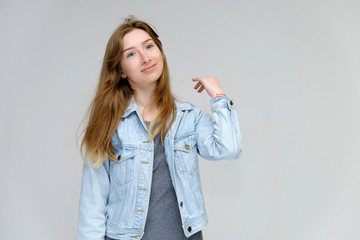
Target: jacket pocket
(185, 153)
(122, 170)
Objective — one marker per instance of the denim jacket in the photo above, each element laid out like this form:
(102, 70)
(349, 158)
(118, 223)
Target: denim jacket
(114, 198)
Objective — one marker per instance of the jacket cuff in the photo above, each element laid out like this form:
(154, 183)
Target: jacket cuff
(221, 102)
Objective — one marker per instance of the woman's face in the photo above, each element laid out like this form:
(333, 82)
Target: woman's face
(141, 62)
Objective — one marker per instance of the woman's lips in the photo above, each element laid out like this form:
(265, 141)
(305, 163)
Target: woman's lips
(148, 69)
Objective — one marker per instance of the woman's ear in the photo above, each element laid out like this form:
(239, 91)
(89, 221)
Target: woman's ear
(123, 75)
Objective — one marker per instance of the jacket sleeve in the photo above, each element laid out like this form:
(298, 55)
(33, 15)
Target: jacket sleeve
(221, 138)
(94, 196)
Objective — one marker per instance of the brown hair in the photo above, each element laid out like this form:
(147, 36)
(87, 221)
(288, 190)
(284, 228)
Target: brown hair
(114, 94)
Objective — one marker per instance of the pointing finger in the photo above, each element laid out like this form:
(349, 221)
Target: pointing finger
(197, 79)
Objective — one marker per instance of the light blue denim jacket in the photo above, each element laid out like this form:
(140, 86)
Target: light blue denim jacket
(115, 197)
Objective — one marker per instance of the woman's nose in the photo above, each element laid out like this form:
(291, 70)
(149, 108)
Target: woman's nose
(144, 58)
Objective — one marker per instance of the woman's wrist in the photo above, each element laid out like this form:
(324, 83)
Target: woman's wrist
(219, 95)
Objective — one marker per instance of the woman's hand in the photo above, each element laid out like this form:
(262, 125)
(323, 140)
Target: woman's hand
(210, 84)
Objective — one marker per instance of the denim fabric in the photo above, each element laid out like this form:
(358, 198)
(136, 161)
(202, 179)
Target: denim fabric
(114, 198)
(196, 236)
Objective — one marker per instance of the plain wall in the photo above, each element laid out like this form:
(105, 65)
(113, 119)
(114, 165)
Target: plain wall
(291, 68)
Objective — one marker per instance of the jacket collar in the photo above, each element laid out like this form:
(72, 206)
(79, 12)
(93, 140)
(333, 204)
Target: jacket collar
(180, 106)
(132, 107)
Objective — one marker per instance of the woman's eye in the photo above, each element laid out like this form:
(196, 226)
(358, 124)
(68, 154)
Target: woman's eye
(130, 54)
(149, 46)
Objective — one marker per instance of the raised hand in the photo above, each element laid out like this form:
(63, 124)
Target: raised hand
(210, 84)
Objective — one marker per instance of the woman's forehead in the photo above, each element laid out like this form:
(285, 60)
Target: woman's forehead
(134, 38)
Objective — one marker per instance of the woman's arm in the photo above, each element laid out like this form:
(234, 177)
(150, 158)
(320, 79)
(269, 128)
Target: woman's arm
(221, 138)
(94, 195)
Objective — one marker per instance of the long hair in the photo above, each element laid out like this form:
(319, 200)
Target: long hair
(114, 93)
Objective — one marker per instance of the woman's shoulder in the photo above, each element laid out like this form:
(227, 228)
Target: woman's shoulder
(190, 109)
(183, 106)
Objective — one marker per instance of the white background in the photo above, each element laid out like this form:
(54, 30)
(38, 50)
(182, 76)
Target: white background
(291, 67)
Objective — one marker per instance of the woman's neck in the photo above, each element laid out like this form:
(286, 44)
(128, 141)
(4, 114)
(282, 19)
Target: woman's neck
(144, 101)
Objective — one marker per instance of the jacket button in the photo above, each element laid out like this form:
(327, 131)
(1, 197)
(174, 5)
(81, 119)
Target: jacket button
(231, 103)
(187, 146)
(119, 157)
(181, 204)
(189, 229)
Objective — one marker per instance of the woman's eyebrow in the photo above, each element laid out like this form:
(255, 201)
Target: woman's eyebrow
(141, 43)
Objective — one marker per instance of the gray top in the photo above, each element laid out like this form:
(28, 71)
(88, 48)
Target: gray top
(163, 220)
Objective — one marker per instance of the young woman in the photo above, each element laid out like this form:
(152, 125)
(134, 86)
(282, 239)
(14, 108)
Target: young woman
(140, 177)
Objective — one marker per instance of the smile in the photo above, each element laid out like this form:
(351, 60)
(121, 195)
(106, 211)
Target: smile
(149, 69)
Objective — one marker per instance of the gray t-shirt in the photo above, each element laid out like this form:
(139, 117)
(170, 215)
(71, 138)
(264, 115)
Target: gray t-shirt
(163, 220)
